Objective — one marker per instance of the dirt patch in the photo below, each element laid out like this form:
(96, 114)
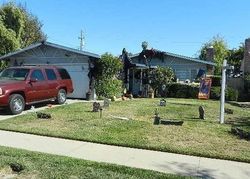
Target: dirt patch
(7, 173)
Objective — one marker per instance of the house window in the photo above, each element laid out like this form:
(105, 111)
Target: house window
(193, 74)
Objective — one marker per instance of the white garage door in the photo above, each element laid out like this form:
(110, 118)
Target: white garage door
(79, 75)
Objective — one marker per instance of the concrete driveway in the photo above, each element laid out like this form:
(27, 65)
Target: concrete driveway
(4, 115)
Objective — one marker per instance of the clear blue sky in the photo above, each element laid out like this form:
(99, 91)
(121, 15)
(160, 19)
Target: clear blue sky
(177, 26)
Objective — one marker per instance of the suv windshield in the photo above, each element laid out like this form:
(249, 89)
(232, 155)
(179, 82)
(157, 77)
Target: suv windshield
(14, 74)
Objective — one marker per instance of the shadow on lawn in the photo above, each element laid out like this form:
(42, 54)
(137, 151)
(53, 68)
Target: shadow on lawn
(184, 104)
(187, 169)
(240, 127)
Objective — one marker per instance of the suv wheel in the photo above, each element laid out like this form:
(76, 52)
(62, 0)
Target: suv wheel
(61, 96)
(16, 103)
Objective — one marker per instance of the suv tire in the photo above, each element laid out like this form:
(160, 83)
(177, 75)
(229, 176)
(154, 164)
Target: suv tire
(61, 96)
(16, 103)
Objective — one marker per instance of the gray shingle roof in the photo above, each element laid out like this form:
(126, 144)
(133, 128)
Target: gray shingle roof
(183, 57)
(51, 45)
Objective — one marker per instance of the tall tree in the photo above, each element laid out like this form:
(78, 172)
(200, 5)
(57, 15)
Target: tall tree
(235, 57)
(107, 73)
(8, 40)
(13, 18)
(18, 28)
(160, 76)
(32, 31)
(220, 49)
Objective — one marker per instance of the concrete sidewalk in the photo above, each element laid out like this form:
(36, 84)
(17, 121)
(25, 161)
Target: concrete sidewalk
(153, 160)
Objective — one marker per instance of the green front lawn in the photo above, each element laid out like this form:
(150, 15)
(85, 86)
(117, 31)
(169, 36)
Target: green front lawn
(37, 165)
(196, 137)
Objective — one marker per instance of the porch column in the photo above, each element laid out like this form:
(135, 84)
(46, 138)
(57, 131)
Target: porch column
(128, 80)
(132, 86)
(141, 80)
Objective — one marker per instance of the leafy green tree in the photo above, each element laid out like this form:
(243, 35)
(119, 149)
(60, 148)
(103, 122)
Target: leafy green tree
(13, 18)
(220, 50)
(8, 41)
(107, 82)
(32, 31)
(235, 57)
(18, 28)
(160, 76)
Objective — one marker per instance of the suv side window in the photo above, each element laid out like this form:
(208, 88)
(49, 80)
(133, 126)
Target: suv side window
(37, 74)
(63, 73)
(50, 74)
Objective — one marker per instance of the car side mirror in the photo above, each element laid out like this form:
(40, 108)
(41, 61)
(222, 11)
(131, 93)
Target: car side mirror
(33, 80)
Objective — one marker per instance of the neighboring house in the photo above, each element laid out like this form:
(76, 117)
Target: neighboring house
(245, 65)
(241, 83)
(185, 68)
(75, 61)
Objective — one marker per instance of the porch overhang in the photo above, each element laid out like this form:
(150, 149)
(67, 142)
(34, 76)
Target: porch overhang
(143, 66)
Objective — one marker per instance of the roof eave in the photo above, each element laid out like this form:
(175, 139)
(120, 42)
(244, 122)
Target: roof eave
(183, 57)
(51, 45)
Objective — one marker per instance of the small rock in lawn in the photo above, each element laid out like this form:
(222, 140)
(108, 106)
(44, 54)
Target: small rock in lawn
(201, 113)
(16, 167)
(229, 111)
(96, 107)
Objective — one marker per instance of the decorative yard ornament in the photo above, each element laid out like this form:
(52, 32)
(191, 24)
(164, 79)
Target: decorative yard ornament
(157, 119)
(144, 45)
(147, 55)
(96, 107)
(127, 63)
(201, 74)
(201, 113)
(41, 115)
(163, 87)
(163, 102)
(106, 103)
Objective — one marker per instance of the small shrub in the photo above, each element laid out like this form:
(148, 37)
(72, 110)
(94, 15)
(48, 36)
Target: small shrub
(230, 93)
(109, 88)
(179, 90)
(215, 93)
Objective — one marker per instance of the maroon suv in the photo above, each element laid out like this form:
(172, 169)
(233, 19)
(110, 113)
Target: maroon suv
(26, 85)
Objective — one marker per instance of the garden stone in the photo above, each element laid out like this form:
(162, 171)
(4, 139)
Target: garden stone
(201, 113)
(96, 107)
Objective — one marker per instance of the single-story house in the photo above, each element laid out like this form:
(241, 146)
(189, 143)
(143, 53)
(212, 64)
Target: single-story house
(76, 62)
(185, 68)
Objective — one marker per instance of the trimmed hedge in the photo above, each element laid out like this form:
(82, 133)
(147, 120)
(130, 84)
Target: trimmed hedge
(179, 90)
(230, 93)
